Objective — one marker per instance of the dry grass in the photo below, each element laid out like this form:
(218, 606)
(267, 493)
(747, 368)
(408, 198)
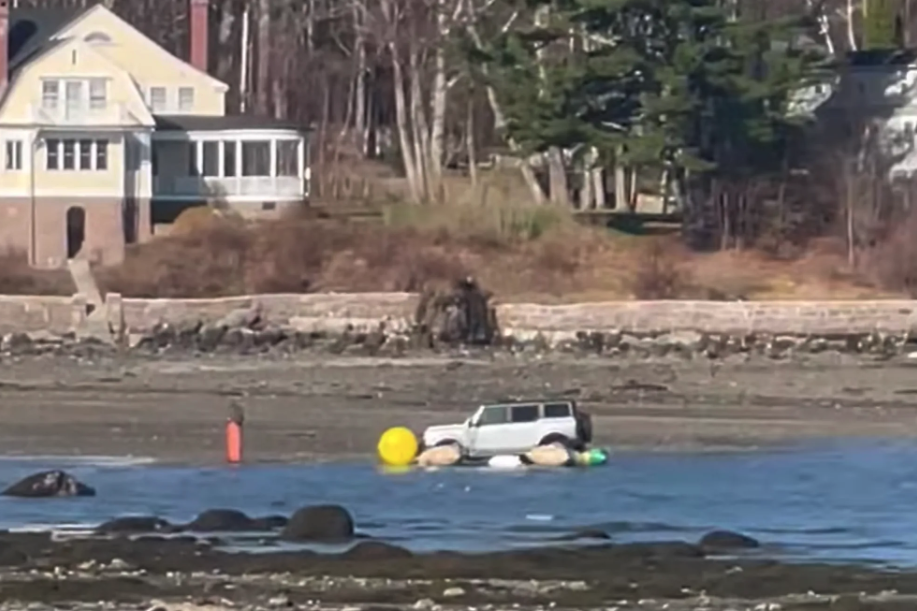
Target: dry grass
(18, 278)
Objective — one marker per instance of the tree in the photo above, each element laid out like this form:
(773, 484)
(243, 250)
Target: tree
(681, 85)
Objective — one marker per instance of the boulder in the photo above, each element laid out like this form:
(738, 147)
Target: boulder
(727, 540)
(321, 523)
(221, 520)
(49, 484)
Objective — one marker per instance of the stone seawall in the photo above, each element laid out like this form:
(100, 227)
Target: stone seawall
(331, 312)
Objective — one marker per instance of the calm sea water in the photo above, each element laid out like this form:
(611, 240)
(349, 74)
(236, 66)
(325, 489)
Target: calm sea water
(842, 501)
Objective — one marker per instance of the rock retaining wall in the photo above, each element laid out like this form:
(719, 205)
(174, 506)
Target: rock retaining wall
(334, 310)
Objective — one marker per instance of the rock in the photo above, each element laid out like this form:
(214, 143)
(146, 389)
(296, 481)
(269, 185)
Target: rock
(135, 525)
(319, 523)
(727, 540)
(585, 533)
(376, 550)
(462, 315)
(221, 520)
(49, 484)
(280, 601)
(688, 341)
(243, 318)
(453, 592)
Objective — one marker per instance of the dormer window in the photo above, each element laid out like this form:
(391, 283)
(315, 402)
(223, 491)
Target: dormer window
(98, 38)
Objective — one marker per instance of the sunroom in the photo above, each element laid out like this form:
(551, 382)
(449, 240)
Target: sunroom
(249, 163)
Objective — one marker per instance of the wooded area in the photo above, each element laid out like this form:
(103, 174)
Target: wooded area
(697, 94)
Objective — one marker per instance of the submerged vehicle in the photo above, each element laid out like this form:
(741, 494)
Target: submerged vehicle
(514, 428)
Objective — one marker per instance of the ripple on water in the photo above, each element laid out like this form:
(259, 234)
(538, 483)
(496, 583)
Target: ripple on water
(850, 501)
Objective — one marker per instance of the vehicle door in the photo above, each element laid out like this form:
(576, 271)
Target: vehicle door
(524, 432)
(558, 418)
(488, 430)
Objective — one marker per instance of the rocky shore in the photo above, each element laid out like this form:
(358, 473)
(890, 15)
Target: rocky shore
(261, 337)
(129, 569)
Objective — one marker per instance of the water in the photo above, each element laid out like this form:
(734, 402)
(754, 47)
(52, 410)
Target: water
(843, 501)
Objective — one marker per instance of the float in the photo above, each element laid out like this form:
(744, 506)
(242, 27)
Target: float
(398, 447)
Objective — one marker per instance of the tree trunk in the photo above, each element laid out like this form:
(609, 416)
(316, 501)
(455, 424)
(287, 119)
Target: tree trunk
(421, 130)
(263, 82)
(438, 99)
(360, 125)
(401, 120)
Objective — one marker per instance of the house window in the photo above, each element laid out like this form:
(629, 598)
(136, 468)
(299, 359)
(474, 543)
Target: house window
(69, 147)
(287, 158)
(13, 155)
(101, 155)
(52, 157)
(185, 99)
(76, 154)
(98, 37)
(158, 99)
(211, 159)
(85, 147)
(229, 158)
(50, 92)
(98, 94)
(256, 158)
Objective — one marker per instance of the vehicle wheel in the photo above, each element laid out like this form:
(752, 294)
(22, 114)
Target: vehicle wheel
(584, 427)
(556, 438)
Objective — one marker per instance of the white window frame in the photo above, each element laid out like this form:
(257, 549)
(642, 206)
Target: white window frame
(12, 150)
(186, 99)
(49, 101)
(165, 98)
(98, 151)
(98, 93)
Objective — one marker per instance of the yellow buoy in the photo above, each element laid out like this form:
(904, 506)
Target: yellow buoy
(397, 447)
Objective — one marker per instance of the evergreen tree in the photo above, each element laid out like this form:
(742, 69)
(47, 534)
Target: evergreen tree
(674, 83)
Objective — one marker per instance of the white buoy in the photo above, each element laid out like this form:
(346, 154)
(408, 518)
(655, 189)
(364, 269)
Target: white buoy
(505, 461)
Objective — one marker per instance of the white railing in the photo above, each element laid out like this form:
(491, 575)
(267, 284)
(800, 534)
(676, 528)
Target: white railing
(110, 114)
(268, 187)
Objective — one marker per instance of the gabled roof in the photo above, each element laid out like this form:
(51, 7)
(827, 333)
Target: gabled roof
(31, 31)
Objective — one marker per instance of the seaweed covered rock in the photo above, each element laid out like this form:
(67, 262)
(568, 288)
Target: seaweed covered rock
(459, 316)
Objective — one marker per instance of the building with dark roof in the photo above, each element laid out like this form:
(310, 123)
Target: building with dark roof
(104, 135)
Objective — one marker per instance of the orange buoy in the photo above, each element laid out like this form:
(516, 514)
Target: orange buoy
(234, 435)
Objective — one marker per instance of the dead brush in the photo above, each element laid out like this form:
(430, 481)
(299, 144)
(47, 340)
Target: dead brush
(658, 274)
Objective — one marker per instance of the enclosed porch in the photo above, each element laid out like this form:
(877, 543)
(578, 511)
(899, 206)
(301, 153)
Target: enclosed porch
(232, 163)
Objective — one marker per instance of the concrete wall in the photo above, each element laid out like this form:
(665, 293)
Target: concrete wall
(796, 317)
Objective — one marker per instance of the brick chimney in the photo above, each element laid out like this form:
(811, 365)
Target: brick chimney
(198, 32)
(4, 44)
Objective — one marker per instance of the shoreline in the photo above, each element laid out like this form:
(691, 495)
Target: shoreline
(318, 407)
(651, 576)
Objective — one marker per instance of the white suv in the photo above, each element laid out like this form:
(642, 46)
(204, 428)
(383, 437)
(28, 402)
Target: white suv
(513, 428)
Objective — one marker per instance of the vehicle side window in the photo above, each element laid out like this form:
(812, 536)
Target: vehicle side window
(525, 413)
(492, 415)
(557, 410)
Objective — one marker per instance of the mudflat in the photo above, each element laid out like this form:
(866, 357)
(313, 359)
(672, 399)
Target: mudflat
(324, 407)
